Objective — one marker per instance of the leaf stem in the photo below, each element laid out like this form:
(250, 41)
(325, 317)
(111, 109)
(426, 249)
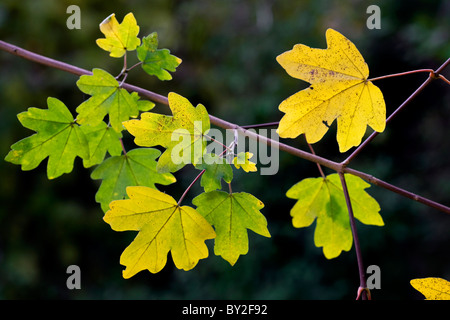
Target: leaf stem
(362, 276)
(318, 165)
(430, 78)
(444, 79)
(401, 74)
(259, 125)
(217, 141)
(124, 69)
(134, 66)
(123, 147)
(190, 186)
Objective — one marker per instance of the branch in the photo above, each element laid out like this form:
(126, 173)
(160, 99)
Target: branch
(338, 167)
(432, 76)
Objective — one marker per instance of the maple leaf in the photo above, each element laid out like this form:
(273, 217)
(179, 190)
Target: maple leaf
(101, 139)
(216, 168)
(58, 137)
(136, 168)
(432, 288)
(156, 61)
(188, 123)
(163, 226)
(323, 199)
(339, 90)
(231, 215)
(243, 161)
(107, 98)
(119, 37)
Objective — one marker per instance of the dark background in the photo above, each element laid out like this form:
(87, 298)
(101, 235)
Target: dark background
(228, 50)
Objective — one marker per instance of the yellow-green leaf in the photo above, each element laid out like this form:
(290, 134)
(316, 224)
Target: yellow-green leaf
(216, 168)
(231, 215)
(119, 37)
(136, 168)
(181, 134)
(339, 90)
(107, 98)
(323, 199)
(58, 137)
(163, 226)
(156, 61)
(432, 288)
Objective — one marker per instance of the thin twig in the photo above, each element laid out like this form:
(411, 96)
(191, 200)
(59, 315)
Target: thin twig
(430, 78)
(123, 147)
(124, 69)
(259, 125)
(362, 276)
(444, 79)
(318, 165)
(190, 186)
(134, 66)
(401, 74)
(228, 125)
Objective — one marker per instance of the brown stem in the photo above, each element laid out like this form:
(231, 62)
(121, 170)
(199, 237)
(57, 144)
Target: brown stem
(362, 275)
(430, 78)
(401, 74)
(190, 186)
(318, 165)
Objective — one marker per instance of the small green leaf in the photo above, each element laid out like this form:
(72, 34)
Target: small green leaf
(216, 168)
(58, 137)
(323, 199)
(243, 161)
(119, 37)
(231, 215)
(136, 168)
(156, 61)
(101, 139)
(107, 98)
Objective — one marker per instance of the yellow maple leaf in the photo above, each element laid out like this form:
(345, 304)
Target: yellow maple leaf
(432, 288)
(163, 226)
(243, 161)
(339, 90)
(119, 37)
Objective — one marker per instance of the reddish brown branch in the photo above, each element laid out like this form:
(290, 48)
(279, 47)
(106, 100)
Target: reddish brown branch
(338, 167)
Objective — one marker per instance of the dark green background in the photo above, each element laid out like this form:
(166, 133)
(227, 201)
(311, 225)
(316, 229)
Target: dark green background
(228, 50)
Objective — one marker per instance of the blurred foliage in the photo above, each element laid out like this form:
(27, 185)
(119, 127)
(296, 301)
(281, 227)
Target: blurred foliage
(228, 50)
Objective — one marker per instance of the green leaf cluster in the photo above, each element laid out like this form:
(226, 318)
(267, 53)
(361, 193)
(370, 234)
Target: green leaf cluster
(95, 134)
(128, 191)
(128, 179)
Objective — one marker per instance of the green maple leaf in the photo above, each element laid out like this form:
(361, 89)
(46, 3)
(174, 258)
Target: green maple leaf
(188, 124)
(101, 139)
(119, 37)
(156, 61)
(58, 137)
(136, 168)
(216, 168)
(231, 215)
(163, 226)
(323, 199)
(107, 98)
